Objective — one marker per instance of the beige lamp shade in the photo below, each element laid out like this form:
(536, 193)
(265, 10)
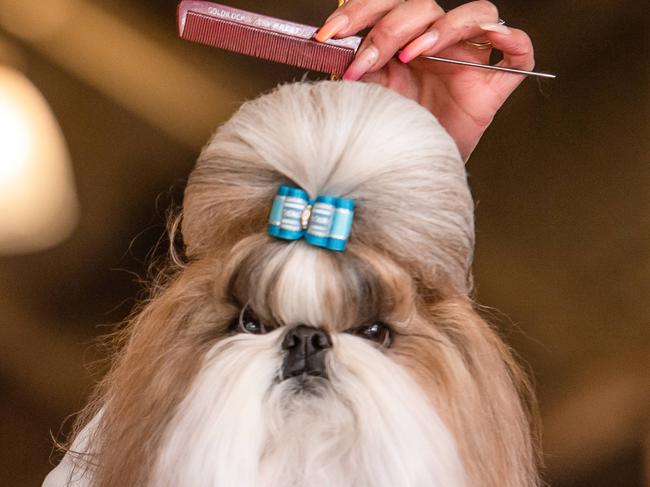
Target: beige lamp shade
(38, 203)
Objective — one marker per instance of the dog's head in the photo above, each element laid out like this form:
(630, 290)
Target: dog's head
(278, 363)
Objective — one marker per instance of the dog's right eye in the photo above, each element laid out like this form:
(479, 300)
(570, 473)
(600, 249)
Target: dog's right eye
(248, 323)
(377, 332)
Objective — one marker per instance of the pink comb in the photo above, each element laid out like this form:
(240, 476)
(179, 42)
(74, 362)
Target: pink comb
(280, 40)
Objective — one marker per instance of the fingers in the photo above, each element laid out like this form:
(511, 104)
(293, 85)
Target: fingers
(518, 53)
(469, 21)
(353, 16)
(420, 27)
(397, 77)
(517, 48)
(395, 29)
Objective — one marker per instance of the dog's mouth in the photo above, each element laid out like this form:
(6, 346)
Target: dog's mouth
(302, 385)
(307, 384)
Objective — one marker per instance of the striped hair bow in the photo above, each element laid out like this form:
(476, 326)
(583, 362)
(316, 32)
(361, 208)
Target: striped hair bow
(325, 222)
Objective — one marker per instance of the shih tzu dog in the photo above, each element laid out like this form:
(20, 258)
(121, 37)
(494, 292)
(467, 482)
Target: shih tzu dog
(332, 343)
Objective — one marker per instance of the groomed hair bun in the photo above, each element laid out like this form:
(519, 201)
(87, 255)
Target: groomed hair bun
(355, 140)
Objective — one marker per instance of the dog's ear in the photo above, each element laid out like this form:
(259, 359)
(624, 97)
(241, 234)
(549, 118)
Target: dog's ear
(484, 396)
(159, 353)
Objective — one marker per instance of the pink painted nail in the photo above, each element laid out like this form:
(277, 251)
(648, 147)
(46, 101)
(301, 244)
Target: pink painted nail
(362, 63)
(495, 27)
(332, 27)
(418, 46)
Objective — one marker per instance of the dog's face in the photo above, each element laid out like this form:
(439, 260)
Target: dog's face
(263, 362)
(317, 376)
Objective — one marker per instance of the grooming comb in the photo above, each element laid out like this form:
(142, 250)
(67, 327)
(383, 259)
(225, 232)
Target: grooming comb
(280, 40)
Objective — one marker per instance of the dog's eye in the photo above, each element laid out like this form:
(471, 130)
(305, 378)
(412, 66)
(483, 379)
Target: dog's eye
(377, 332)
(248, 323)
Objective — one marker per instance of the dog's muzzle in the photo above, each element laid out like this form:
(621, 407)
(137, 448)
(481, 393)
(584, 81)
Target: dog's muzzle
(306, 348)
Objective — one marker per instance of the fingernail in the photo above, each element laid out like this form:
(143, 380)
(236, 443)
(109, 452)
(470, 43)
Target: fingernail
(332, 27)
(495, 27)
(418, 46)
(362, 63)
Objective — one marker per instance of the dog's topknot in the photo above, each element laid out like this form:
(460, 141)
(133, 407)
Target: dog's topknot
(347, 139)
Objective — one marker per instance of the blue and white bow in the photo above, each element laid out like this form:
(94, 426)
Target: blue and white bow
(325, 222)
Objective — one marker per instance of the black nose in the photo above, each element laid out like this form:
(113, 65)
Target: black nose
(306, 348)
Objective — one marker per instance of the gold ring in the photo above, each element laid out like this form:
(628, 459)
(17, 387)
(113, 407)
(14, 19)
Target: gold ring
(479, 45)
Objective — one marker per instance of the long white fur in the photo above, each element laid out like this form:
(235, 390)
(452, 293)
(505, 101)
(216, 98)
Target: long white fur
(217, 436)
(72, 471)
(299, 278)
(370, 426)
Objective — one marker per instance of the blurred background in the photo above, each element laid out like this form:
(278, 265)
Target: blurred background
(112, 109)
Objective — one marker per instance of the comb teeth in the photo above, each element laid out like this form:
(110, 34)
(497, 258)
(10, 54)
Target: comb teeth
(264, 44)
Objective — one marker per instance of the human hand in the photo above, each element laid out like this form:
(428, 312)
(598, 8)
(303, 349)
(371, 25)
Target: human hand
(463, 99)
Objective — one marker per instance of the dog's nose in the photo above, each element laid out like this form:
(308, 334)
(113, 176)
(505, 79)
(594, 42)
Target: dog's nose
(306, 348)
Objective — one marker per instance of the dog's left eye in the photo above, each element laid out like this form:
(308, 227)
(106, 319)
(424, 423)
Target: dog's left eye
(377, 332)
(248, 323)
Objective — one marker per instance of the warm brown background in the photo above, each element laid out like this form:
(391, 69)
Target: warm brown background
(563, 216)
